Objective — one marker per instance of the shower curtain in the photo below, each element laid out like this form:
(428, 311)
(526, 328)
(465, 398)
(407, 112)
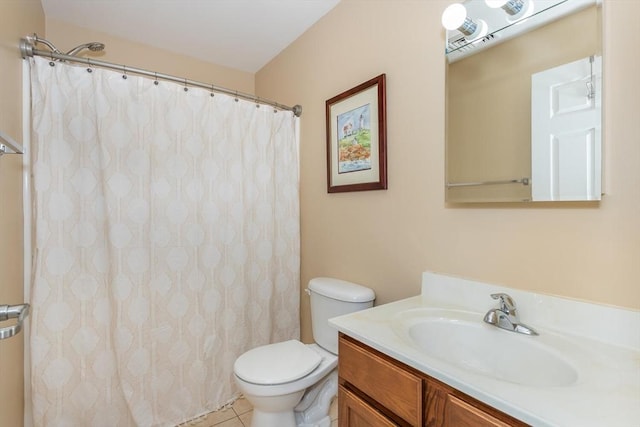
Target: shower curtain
(166, 244)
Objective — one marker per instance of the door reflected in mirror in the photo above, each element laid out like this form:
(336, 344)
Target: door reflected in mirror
(523, 115)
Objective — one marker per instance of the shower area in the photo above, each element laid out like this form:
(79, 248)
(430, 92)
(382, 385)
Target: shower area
(162, 238)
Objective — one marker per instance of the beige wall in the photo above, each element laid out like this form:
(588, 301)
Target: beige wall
(385, 239)
(19, 17)
(121, 51)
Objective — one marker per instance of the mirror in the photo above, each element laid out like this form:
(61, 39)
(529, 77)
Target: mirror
(523, 103)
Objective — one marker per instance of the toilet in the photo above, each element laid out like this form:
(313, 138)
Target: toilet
(291, 384)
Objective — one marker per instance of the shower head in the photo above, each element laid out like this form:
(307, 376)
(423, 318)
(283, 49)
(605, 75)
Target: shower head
(93, 47)
(96, 46)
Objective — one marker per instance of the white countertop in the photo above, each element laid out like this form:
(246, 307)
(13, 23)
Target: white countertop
(601, 342)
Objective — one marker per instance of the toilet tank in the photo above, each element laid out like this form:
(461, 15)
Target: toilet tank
(330, 298)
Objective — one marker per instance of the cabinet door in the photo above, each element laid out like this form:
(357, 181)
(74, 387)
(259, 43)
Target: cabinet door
(458, 413)
(355, 412)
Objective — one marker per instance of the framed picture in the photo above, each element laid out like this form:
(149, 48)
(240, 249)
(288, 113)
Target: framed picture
(357, 138)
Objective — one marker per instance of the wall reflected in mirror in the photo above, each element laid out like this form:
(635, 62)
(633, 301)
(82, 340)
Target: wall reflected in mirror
(489, 112)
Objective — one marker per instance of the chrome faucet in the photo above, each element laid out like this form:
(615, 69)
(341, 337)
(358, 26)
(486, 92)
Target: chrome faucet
(506, 316)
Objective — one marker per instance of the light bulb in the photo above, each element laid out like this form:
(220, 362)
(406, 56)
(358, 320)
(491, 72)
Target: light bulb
(495, 3)
(454, 16)
(512, 7)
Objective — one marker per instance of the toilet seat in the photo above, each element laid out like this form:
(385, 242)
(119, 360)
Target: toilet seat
(277, 363)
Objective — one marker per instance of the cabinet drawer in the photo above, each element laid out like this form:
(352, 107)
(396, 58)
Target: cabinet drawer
(459, 413)
(388, 384)
(355, 412)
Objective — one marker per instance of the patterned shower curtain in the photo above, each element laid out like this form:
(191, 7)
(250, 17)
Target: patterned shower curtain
(166, 244)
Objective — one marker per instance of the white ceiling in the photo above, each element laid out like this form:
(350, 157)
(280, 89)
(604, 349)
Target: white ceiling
(241, 34)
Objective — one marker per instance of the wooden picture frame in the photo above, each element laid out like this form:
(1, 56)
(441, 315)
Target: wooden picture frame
(357, 138)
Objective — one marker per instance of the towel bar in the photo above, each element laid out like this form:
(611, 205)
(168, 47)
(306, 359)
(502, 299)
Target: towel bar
(523, 181)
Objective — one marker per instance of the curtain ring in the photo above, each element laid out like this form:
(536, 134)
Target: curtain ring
(124, 72)
(89, 70)
(236, 98)
(257, 102)
(155, 81)
(185, 85)
(212, 91)
(51, 63)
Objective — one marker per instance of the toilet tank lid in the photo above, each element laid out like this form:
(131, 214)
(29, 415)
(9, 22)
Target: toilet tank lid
(341, 290)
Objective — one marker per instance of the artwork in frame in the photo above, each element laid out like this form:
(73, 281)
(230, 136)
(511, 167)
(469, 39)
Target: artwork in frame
(357, 138)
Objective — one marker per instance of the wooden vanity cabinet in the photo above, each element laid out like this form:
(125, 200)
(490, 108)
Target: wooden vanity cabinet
(376, 390)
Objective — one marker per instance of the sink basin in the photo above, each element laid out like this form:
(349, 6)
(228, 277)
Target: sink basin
(462, 339)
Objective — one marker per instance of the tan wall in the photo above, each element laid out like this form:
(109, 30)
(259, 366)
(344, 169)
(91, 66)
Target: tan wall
(121, 51)
(19, 18)
(385, 239)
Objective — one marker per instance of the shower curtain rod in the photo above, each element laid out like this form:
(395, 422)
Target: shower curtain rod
(27, 49)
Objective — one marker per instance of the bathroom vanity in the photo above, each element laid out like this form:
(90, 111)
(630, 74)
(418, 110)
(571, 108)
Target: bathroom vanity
(376, 390)
(430, 360)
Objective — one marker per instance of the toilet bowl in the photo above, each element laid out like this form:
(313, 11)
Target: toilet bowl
(291, 384)
(275, 397)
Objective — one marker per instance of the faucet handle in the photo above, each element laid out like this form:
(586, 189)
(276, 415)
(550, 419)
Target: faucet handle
(507, 304)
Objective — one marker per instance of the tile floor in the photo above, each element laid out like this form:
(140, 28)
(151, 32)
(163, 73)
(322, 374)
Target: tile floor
(239, 415)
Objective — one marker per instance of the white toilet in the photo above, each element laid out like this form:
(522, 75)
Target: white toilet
(291, 384)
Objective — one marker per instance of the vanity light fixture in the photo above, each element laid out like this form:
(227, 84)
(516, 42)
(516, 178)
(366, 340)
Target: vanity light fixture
(517, 9)
(455, 17)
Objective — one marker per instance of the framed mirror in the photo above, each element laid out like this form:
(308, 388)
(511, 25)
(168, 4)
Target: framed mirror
(523, 101)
